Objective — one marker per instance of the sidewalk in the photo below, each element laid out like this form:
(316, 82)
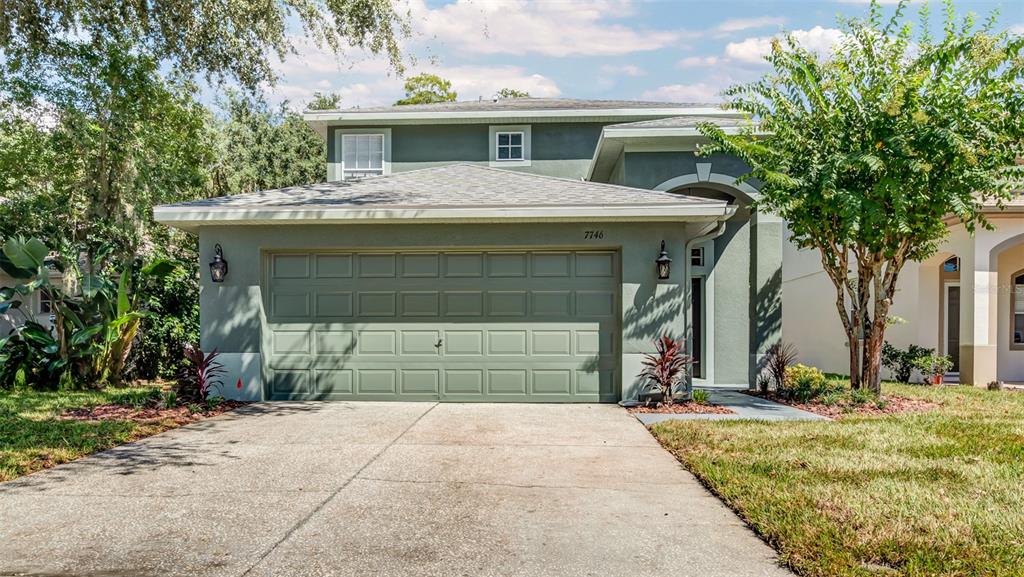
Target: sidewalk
(742, 405)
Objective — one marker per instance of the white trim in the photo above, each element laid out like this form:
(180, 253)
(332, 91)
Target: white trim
(191, 217)
(712, 177)
(336, 165)
(668, 132)
(492, 155)
(945, 318)
(356, 116)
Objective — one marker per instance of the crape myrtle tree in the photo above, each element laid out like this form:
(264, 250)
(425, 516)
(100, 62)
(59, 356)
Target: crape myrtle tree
(867, 151)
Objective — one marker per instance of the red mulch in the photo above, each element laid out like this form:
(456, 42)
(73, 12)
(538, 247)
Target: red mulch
(683, 408)
(894, 405)
(180, 415)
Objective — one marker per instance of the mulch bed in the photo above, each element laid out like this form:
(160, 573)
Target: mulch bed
(683, 408)
(894, 405)
(181, 415)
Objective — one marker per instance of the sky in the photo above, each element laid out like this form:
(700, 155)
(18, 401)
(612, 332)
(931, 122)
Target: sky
(663, 50)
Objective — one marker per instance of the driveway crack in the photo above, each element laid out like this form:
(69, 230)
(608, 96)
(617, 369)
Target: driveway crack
(334, 493)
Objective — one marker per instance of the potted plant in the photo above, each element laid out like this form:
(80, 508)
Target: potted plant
(933, 367)
(665, 368)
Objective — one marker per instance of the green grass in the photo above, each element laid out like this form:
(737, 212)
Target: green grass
(32, 438)
(935, 493)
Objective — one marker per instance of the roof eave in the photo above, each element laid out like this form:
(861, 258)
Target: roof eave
(192, 218)
(355, 117)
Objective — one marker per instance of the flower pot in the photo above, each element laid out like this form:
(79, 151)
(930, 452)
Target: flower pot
(936, 379)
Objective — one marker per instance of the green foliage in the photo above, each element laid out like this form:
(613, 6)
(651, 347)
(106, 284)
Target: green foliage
(867, 152)
(95, 323)
(804, 384)
(222, 40)
(900, 361)
(427, 88)
(259, 148)
(512, 93)
(700, 396)
(933, 365)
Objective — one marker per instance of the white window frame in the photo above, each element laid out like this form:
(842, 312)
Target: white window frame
(497, 129)
(336, 164)
(1014, 346)
(511, 147)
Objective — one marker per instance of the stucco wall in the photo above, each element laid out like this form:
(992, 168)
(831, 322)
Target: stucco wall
(558, 149)
(1010, 360)
(232, 312)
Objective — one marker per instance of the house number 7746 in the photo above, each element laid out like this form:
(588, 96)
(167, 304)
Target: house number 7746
(592, 234)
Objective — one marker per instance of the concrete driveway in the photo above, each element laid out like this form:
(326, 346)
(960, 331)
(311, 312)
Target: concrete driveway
(289, 489)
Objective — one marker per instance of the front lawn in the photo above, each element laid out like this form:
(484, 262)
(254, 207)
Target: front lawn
(930, 493)
(32, 437)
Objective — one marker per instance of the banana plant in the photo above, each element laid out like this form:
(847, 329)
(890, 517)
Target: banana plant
(94, 326)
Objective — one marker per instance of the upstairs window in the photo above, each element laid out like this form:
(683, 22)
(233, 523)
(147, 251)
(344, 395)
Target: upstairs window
(509, 146)
(362, 155)
(697, 256)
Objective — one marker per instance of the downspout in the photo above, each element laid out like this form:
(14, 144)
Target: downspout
(688, 326)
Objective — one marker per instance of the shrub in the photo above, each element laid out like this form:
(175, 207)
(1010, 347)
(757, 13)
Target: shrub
(995, 386)
(933, 365)
(200, 375)
(700, 396)
(803, 384)
(666, 367)
(900, 361)
(778, 357)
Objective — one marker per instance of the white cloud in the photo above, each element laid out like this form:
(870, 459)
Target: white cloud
(475, 81)
(699, 92)
(563, 28)
(698, 61)
(753, 50)
(624, 70)
(741, 24)
(1017, 29)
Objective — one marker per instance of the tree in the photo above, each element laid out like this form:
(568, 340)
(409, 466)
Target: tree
(866, 152)
(512, 93)
(221, 39)
(325, 101)
(259, 147)
(427, 88)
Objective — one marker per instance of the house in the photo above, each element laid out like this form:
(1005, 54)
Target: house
(496, 250)
(967, 301)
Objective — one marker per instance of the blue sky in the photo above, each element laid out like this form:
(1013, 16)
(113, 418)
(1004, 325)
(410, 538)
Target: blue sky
(680, 51)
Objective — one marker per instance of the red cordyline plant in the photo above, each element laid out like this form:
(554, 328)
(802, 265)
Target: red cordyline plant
(201, 373)
(667, 366)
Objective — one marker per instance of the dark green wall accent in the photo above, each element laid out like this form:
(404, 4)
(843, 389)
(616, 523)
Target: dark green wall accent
(557, 149)
(649, 169)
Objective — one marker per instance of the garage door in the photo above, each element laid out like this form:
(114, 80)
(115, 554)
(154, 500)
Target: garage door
(453, 326)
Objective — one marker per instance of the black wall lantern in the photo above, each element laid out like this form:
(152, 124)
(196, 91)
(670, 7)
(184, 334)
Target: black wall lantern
(663, 262)
(219, 266)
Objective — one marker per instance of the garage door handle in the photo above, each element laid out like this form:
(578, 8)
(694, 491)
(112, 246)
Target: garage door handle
(438, 344)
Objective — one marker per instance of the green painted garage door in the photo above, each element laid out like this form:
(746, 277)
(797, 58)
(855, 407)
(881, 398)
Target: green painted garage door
(453, 326)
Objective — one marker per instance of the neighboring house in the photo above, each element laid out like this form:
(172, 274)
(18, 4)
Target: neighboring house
(491, 250)
(967, 302)
(37, 307)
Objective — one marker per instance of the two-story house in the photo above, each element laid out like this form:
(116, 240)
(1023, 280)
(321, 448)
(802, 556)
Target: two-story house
(525, 250)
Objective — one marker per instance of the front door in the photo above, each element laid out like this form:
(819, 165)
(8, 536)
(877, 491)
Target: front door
(953, 325)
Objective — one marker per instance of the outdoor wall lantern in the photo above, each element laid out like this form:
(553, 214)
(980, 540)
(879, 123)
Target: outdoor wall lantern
(663, 262)
(219, 266)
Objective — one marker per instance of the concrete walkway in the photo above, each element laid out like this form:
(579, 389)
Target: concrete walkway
(362, 489)
(743, 406)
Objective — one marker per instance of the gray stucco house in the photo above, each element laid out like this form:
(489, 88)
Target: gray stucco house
(491, 250)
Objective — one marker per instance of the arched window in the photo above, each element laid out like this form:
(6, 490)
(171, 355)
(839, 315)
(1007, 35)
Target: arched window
(1017, 308)
(952, 264)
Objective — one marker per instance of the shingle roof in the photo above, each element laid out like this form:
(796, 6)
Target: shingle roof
(457, 192)
(522, 104)
(682, 122)
(455, 185)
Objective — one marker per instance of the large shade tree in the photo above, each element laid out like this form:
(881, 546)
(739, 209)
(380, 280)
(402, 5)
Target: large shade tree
(865, 152)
